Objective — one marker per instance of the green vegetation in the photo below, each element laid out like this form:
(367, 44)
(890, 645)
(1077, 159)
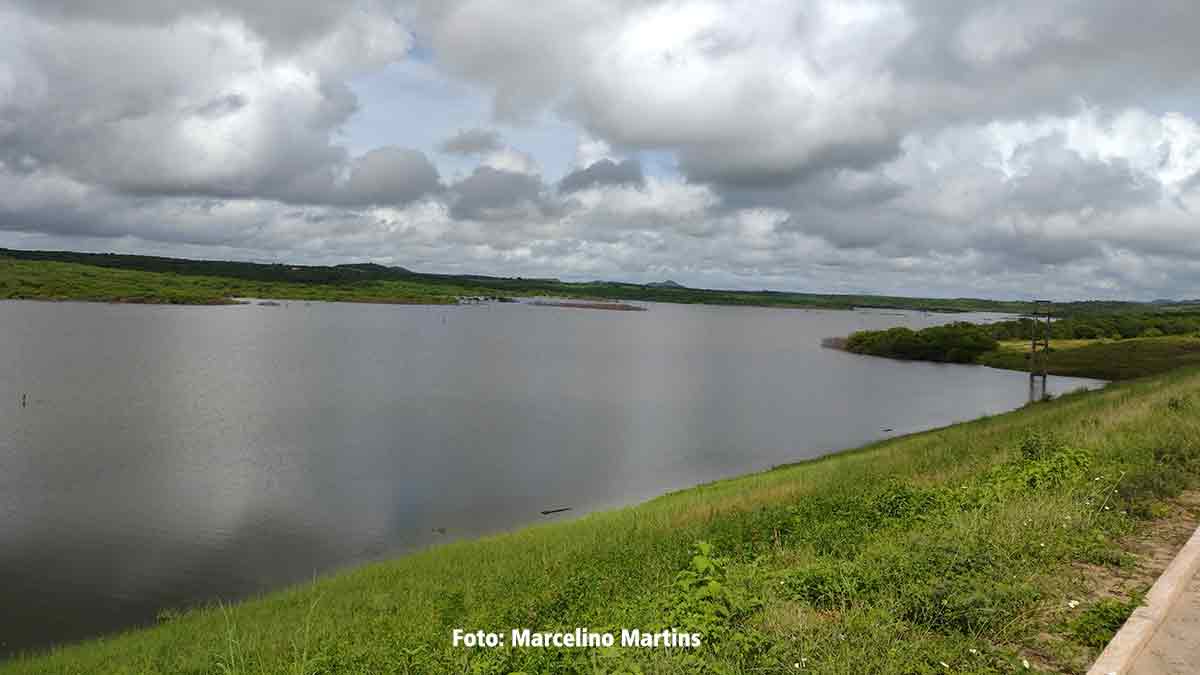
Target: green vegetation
(1120, 360)
(1116, 346)
(71, 281)
(377, 283)
(1113, 326)
(954, 550)
(959, 342)
(1098, 624)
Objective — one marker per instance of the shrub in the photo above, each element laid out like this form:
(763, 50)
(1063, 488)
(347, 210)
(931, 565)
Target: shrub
(959, 342)
(1040, 444)
(1179, 404)
(1100, 622)
(967, 604)
(950, 584)
(704, 601)
(1141, 490)
(900, 501)
(1180, 455)
(827, 583)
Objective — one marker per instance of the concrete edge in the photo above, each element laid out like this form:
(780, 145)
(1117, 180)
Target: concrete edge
(1118, 657)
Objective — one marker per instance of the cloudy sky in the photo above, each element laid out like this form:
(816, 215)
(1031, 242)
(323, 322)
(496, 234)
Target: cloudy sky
(932, 147)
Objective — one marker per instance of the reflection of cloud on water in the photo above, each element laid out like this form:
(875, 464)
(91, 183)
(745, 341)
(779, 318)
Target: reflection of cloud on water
(188, 453)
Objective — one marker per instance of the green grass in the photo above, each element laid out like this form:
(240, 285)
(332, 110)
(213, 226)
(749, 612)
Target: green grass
(1105, 360)
(1097, 624)
(955, 546)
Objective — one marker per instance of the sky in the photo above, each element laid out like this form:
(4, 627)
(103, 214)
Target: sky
(911, 147)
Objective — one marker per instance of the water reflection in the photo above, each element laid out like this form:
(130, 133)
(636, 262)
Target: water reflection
(167, 456)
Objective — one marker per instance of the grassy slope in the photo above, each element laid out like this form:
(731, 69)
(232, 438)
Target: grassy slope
(891, 559)
(1105, 360)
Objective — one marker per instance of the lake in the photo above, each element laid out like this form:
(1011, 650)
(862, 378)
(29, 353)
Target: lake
(160, 457)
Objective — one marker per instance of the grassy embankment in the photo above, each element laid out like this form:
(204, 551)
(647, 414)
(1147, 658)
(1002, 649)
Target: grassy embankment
(967, 549)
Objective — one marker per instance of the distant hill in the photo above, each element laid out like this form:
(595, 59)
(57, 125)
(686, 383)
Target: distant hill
(373, 282)
(375, 268)
(221, 268)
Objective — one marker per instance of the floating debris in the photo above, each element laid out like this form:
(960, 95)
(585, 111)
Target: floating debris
(549, 512)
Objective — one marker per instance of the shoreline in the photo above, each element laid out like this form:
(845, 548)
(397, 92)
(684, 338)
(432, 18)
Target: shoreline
(608, 306)
(65, 275)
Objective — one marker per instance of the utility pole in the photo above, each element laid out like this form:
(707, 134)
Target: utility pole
(1039, 347)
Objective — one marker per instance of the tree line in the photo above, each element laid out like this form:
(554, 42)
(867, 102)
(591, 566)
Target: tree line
(964, 342)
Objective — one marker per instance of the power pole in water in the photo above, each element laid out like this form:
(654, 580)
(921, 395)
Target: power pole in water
(1039, 347)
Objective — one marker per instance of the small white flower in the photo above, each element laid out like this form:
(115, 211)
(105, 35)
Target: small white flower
(1073, 604)
(796, 665)
(1025, 663)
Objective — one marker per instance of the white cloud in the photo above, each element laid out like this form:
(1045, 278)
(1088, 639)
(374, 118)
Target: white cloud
(889, 145)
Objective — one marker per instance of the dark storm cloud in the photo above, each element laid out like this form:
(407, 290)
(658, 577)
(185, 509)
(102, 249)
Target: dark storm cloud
(1035, 247)
(470, 142)
(604, 172)
(494, 194)
(388, 176)
(836, 190)
(1059, 179)
(743, 165)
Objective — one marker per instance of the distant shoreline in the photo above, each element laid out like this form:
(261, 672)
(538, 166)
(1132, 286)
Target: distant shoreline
(610, 306)
(133, 279)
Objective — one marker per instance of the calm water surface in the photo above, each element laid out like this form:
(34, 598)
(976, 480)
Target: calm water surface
(167, 456)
